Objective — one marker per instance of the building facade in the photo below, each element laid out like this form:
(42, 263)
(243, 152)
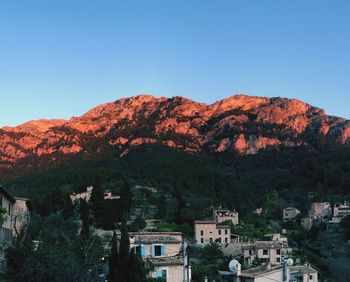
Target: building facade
(341, 209)
(320, 211)
(290, 213)
(221, 216)
(163, 251)
(207, 231)
(16, 216)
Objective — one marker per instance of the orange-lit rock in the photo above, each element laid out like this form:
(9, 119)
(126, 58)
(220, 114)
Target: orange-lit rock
(240, 123)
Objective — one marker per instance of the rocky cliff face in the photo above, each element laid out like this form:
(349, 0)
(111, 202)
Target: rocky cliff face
(241, 124)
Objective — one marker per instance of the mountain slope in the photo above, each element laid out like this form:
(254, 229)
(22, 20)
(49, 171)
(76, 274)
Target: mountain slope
(239, 124)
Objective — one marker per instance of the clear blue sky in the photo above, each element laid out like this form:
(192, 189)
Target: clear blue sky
(59, 58)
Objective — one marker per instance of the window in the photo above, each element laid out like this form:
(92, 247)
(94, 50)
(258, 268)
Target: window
(202, 240)
(278, 251)
(226, 240)
(9, 209)
(218, 240)
(278, 259)
(157, 250)
(265, 252)
(202, 232)
(164, 273)
(138, 250)
(225, 231)
(211, 240)
(219, 231)
(310, 276)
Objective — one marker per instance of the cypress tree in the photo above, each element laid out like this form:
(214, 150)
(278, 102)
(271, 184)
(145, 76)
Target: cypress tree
(114, 260)
(84, 217)
(125, 198)
(97, 202)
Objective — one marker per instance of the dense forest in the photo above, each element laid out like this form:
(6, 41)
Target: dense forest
(234, 181)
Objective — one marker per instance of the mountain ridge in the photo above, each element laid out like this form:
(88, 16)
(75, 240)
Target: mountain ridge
(238, 124)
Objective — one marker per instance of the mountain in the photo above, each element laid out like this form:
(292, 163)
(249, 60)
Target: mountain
(240, 124)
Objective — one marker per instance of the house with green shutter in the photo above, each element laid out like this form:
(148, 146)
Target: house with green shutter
(163, 251)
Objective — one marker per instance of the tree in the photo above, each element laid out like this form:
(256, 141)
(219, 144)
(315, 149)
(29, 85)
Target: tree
(125, 265)
(97, 202)
(84, 217)
(68, 208)
(345, 223)
(114, 260)
(162, 206)
(125, 198)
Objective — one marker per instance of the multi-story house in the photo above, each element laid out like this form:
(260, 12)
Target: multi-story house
(15, 217)
(341, 209)
(272, 252)
(222, 215)
(163, 251)
(208, 231)
(290, 213)
(320, 211)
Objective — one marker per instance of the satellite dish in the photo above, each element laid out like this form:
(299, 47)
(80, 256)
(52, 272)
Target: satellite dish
(233, 266)
(290, 262)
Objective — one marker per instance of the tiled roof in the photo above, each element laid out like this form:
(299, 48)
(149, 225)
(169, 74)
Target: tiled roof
(302, 269)
(165, 261)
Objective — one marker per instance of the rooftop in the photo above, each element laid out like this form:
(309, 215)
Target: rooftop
(302, 269)
(204, 222)
(260, 270)
(165, 261)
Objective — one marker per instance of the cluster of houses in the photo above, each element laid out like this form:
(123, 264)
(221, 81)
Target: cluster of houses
(262, 260)
(318, 212)
(166, 252)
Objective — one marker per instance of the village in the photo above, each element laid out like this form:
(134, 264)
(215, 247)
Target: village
(171, 254)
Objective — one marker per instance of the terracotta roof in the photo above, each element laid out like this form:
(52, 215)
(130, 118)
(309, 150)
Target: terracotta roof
(223, 227)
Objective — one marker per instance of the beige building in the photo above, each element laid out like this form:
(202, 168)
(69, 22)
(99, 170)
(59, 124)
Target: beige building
(163, 251)
(86, 195)
(272, 252)
(207, 231)
(221, 216)
(320, 211)
(341, 210)
(17, 214)
(290, 213)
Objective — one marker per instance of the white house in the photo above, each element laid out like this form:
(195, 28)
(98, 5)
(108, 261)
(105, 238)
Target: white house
(320, 211)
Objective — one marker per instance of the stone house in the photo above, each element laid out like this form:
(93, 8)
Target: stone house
(341, 209)
(162, 251)
(86, 195)
(222, 215)
(290, 213)
(16, 216)
(272, 252)
(320, 211)
(208, 231)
